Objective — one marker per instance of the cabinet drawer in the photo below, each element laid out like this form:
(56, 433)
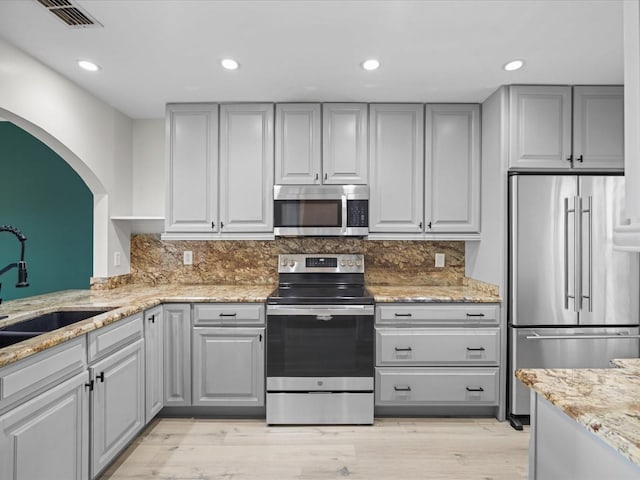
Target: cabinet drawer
(437, 346)
(228, 314)
(416, 314)
(107, 340)
(38, 372)
(436, 386)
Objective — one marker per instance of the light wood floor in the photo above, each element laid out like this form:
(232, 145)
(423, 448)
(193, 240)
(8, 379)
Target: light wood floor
(394, 449)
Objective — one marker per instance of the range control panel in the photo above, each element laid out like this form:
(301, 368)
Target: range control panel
(308, 263)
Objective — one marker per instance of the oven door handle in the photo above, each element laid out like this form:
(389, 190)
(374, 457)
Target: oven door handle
(320, 310)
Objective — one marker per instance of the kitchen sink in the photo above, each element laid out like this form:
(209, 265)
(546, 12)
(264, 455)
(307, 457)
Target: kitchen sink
(47, 322)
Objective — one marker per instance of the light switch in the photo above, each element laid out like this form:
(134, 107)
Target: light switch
(439, 260)
(187, 257)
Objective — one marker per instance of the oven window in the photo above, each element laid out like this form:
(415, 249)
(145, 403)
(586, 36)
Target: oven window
(304, 346)
(308, 213)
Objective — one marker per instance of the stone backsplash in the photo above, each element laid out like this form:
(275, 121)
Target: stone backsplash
(240, 262)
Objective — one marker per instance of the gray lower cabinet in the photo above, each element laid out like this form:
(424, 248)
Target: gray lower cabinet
(154, 358)
(117, 400)
(437, 355)
(47, 436)
(177, 354)
(228, 366)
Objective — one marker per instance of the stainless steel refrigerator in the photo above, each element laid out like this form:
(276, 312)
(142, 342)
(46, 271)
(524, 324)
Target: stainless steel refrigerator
(573, 300)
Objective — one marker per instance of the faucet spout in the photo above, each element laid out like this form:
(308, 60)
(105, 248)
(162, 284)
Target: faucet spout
(21, 265)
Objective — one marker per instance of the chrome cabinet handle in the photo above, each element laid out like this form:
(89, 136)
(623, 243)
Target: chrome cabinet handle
(403, 349)
(402, 389)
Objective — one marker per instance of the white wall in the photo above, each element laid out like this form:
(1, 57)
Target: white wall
(94, 138)
(148, 167)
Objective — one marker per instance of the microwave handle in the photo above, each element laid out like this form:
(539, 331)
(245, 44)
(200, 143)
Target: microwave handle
(344, 214)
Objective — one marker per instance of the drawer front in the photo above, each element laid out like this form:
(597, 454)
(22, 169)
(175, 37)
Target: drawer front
(228, 314)
(38, 372)
(437, 346)
(447, 314)
(107, 340)
(436, 386)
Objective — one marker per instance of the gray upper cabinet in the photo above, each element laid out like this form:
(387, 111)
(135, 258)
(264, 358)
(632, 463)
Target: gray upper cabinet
(246, 167)
(328, 148)
(298, 143)
(543, 132)
(396, 142)
(452, 168)
(344, 143)
(192, 168)
(540, 126)
(598, 127)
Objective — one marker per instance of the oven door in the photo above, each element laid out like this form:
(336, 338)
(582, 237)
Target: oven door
(320, 347)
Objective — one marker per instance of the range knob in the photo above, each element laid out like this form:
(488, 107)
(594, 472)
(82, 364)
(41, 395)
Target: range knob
(358, 263)
(283, 262)
(351, 263)
(292, 263)
(342, 264)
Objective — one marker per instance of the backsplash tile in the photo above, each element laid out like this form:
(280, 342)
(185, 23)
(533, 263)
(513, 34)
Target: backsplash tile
(244, 262)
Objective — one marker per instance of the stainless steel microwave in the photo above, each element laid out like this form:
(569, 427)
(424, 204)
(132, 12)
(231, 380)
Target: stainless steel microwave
(321, 210)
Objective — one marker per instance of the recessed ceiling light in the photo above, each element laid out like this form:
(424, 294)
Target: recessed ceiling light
(229, 64)
(88, 66)
(370, 64)
(513, 65)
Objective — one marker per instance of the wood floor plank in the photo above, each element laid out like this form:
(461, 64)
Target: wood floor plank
(394, 449)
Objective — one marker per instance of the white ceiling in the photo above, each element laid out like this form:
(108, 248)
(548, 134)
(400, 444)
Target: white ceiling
(158, 51)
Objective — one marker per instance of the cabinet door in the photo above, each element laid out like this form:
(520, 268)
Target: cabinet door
(48, 436)
(117, 404)
(598, 127)
(177, 355)
(344, 143)
(396, 163)
(298, 137)
(228, 366)
(246, 168)
(452, 168)
(192, 168)
(154, 371)
(540, 127)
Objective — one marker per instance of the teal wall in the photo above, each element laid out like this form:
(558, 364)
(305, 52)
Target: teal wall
(45, 198)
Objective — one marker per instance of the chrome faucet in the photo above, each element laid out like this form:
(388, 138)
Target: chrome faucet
(21, 265)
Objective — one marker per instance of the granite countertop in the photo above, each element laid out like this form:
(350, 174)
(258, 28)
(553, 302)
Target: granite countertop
(605, 401)
(425, 293)
(130, 299)
(124, 301)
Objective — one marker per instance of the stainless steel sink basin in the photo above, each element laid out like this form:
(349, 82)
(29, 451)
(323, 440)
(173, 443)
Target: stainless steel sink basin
(48, 322)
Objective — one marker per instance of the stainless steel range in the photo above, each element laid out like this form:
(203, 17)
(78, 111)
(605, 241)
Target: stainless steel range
(320, 356)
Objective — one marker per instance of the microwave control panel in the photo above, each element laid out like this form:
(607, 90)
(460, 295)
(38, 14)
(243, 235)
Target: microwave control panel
(357, 213)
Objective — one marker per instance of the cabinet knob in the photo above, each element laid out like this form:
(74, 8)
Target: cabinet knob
(429, 225)
(221, 224)
(317, 176)
(326, 176)
(213, 224)
(580, 159)
(420, 225)
(570, 159)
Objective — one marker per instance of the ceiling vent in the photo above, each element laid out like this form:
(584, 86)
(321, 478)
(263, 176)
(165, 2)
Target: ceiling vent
(72, 15)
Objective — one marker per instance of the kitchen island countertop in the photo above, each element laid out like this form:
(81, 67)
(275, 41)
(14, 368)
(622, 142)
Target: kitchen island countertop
(604, 401)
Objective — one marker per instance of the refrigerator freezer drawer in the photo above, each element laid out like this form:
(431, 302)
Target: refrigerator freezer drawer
(565, 348)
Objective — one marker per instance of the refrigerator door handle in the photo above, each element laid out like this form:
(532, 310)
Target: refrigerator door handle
(617, 336)
(566, 252)
(589, 295)
(577, 263)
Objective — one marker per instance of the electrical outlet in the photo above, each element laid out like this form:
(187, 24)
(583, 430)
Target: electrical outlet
(116, 259)
(439, 260)
(187, 257)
